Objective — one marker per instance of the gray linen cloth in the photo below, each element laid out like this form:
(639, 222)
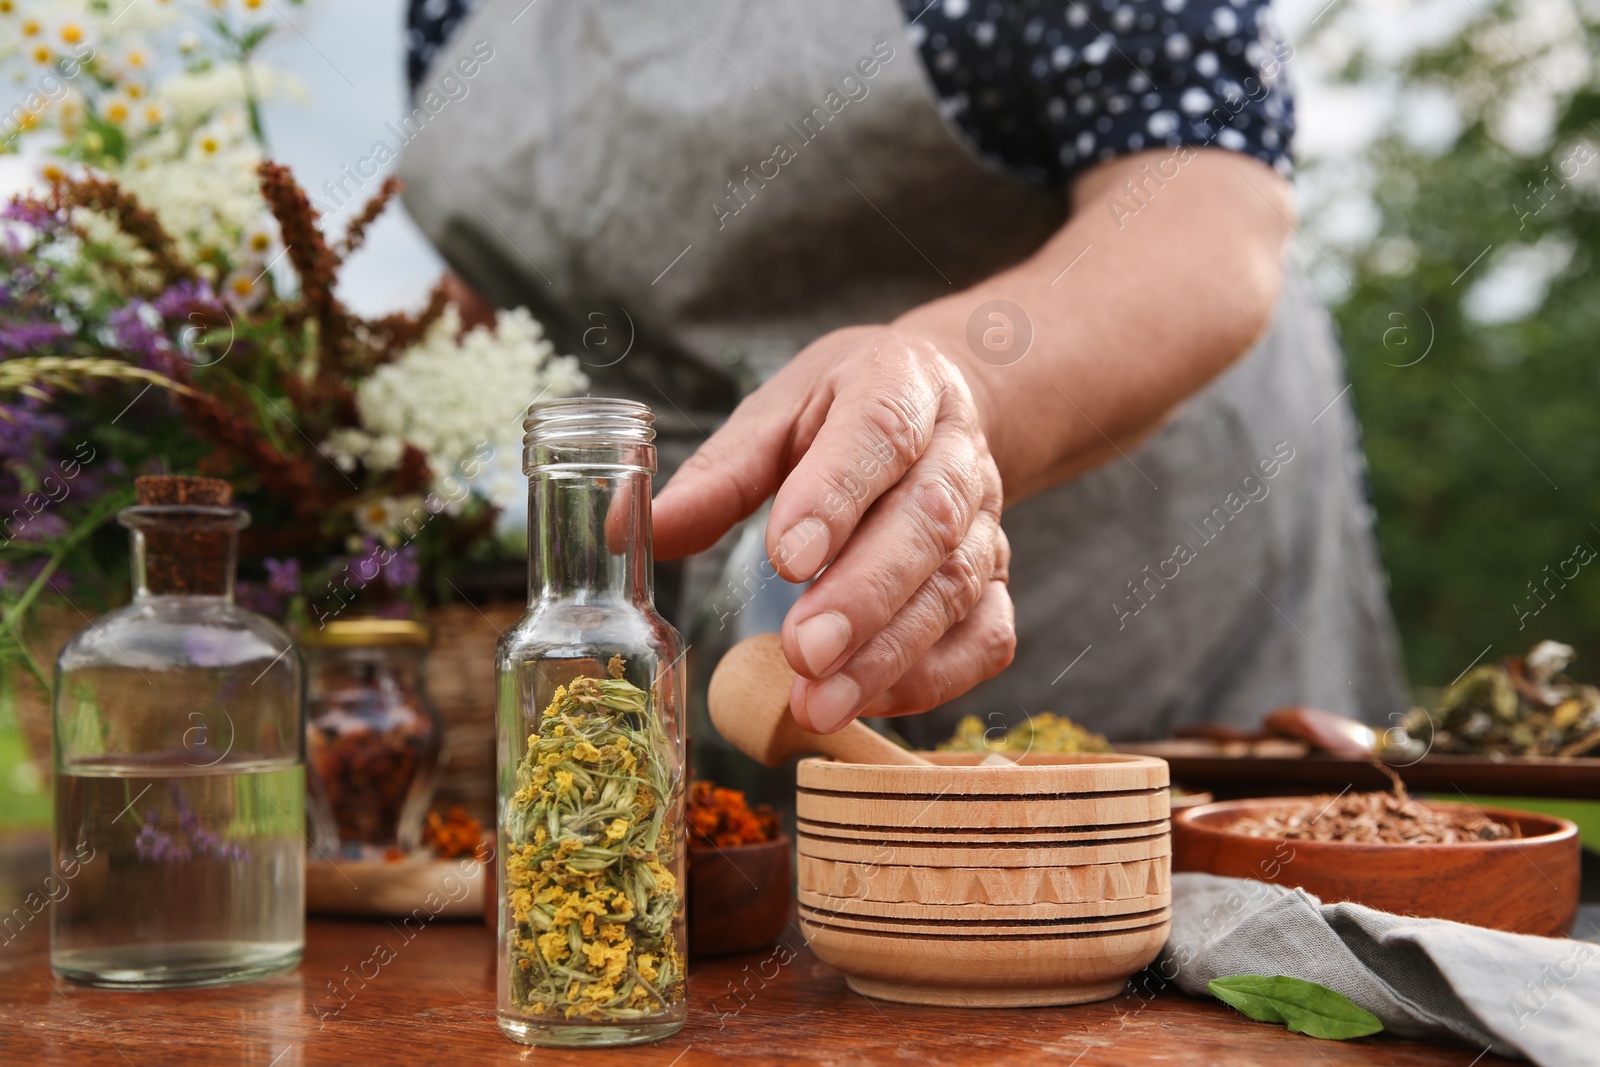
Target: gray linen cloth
(1534, 997)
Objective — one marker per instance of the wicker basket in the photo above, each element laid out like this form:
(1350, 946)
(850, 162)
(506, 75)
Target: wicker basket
(460, 680)
(461, 683)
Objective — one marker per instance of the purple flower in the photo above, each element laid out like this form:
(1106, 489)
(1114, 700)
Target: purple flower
(28, 430)
(31, 212)
(137, 329)
(283, 576)
(153, 845)
(403, 570)
(27, 338)
(184, 297)
(21, 525)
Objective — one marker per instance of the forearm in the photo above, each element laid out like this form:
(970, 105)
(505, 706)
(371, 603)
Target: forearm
(1158, 299)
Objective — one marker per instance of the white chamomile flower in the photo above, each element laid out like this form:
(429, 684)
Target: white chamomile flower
(391, 519)
(244, 288)
(118, 109)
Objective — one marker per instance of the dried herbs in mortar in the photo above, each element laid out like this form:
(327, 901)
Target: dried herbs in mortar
(592, 897)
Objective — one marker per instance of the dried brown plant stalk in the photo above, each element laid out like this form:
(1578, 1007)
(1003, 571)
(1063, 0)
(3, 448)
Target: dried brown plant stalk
(414, 474)
(393, 334)
(140, 223)
(314, 263)
(286, 478)
(356, 233)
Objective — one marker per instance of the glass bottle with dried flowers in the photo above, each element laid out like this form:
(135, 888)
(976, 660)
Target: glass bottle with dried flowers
(591, 756)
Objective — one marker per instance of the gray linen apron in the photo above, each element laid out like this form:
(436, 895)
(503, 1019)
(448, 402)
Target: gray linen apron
(717, 184)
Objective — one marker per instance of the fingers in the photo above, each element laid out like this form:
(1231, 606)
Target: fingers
(909, 534)
(879, 422)
(726, 479)
(978, 649)
(921, 659)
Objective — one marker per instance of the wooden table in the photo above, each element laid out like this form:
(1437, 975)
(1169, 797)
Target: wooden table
(433, 1004)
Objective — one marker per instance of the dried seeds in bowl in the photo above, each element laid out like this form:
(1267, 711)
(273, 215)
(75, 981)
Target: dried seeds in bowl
(1392, 818)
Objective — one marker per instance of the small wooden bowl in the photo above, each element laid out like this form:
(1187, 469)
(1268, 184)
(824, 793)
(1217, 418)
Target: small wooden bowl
(1042, 882)
(1527, 885)
(739, 897)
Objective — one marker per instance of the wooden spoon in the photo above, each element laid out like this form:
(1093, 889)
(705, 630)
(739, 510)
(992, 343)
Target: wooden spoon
(749, 703)
(1337, 735)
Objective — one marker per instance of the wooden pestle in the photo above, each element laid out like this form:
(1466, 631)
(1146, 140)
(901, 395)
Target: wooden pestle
(749, 704)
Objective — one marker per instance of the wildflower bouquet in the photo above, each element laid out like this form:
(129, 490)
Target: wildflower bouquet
(169, 305)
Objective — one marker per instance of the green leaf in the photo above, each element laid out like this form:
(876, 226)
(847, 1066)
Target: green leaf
(1304, 1007)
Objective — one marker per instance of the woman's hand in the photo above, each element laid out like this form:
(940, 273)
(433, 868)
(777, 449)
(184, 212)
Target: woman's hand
(872, 441)
(882, 443)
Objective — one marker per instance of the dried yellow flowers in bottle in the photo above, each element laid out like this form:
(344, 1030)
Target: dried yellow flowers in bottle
(592, 905)
(591, 759)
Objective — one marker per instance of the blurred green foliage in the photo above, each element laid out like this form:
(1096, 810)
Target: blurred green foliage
(23, 800)
(1480, 435)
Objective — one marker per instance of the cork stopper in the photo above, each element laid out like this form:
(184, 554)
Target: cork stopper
(186, 530)
(168, 490)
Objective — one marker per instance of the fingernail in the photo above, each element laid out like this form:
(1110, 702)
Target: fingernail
(803, 550)
(821, 639)
(829, 704)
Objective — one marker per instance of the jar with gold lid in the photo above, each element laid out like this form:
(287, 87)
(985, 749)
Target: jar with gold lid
(373, 738)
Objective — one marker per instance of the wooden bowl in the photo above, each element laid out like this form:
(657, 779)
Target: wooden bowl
(1528, 885)
(1080, 884)
(1000, 970)
(739, 897)
(1043, 882)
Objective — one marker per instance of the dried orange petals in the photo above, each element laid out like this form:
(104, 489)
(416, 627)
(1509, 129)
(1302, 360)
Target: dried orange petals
(722, 818)
(453, 834)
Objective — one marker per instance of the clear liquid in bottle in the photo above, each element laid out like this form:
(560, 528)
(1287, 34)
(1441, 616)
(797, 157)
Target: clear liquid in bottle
(179, 767)
(185, 878)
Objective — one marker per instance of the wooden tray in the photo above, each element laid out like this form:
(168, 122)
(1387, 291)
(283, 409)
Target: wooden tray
(421, 888)
(1284, 768)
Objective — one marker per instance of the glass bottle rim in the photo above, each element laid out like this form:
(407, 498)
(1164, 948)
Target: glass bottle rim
(153, 516)
(589, 419)
(589, 432)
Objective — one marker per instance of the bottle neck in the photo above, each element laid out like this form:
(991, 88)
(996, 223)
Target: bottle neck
(589, 534)
(183, 550)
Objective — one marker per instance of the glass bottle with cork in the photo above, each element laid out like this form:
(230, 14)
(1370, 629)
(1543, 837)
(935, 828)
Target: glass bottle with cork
(591, 750)
(179, 766)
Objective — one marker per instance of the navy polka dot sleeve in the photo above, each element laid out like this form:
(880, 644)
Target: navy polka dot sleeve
(1046, 88)
(429, 26)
